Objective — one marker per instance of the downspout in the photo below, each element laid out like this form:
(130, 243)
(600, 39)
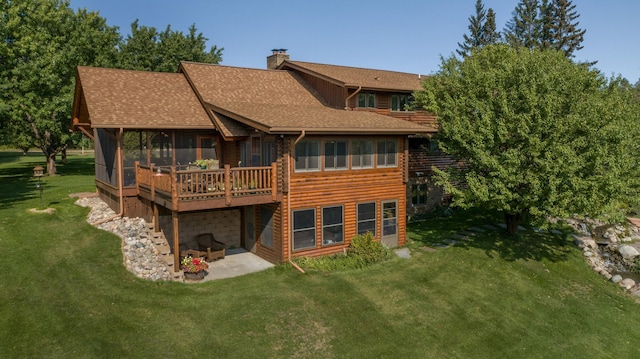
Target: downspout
(346, 102)
(120, 182)
(291, 149)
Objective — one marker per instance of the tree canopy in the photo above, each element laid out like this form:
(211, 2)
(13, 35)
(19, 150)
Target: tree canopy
(43, 41)
(537, 134)
(150, 50)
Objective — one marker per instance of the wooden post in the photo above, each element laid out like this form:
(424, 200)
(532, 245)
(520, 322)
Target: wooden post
(136, 166)
(274, 181)
(174, 189)
(156, 218)
(227, 184)
(176, 242)
(153, 183)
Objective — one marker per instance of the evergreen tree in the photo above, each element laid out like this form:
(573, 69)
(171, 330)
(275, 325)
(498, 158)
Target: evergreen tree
(482, 30)
(490, 34)
(563, 31)
(525, 28)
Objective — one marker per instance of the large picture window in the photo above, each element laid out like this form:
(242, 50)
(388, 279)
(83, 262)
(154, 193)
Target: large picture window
(304, 229)
(367, 218)
(387, 153)
(307, 154)
(335, 155)
(332, 225)
(362, 154)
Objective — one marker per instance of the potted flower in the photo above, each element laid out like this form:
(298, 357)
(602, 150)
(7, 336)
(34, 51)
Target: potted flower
(194, 268)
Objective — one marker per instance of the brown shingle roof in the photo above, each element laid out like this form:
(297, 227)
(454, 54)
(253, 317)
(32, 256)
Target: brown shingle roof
(354, 76)
(276, 102)
(138, 99)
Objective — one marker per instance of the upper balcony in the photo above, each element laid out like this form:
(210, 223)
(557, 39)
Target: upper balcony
(182, 188)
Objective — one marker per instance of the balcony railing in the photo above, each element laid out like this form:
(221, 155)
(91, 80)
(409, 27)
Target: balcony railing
(191, 184)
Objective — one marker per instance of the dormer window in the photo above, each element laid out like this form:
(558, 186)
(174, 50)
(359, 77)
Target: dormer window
(366, 100)
(400, 102)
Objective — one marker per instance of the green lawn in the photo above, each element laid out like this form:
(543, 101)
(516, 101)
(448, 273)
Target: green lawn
(64, 293)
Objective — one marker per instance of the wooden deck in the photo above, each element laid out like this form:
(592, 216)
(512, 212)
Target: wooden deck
(195, 189)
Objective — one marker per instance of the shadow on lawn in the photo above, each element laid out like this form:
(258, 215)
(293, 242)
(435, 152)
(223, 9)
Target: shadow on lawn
(526, 245)
(17, 183)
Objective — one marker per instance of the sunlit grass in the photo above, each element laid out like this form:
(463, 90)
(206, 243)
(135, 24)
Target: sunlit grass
(64, 293)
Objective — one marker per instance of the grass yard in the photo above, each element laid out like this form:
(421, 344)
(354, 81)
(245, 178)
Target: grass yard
(64, 293)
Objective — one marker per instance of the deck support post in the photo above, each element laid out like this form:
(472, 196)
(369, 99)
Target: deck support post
(176, 241)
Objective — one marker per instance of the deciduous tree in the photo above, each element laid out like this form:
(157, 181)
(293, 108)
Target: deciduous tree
(538, 134)
(42, 43)
(150, 50)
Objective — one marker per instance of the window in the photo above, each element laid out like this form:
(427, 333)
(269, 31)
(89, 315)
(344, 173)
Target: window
(208, 148)
(307, 155)
(418, 194)
(255, 151)
(367, 218)
(366, 99)
(304, 229)
(332, 225)
(387, 153)
(266, 226)
(389, 218)
(362, 154)
(401, 102)
(268, 151)
(335, 155)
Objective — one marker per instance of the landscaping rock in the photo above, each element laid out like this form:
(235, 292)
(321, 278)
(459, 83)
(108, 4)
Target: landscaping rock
(140, 254)
(617, 278)
(628, 252)
(627, 283)
(403, 253)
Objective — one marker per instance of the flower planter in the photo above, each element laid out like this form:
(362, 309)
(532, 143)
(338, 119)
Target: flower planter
(195, 276)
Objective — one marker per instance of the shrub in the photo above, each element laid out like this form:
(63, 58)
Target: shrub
(363, 251)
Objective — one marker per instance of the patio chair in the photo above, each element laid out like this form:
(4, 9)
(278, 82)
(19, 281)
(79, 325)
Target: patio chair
(208, 243)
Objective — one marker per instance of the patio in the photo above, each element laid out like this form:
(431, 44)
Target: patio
(236, 262)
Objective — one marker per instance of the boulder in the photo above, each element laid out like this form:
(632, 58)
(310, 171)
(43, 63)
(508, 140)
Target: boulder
(627, 283)
(616, 278)
(628, 252)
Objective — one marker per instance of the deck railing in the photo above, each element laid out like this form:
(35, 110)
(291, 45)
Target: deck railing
(196, 184)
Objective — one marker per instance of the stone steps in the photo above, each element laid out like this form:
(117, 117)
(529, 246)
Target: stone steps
(164, 250)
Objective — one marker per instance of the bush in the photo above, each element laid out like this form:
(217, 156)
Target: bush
(363, 251)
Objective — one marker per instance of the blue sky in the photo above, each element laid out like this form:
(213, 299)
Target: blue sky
(408, 36)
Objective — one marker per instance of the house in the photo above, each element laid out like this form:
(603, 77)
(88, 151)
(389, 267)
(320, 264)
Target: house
(289, 172)
(383, 92)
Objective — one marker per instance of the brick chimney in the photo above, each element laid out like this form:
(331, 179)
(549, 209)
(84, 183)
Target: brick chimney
(276, 58)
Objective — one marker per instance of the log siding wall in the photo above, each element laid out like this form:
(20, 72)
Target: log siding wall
(345, 188)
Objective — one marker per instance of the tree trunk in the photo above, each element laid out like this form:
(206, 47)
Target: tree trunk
(64, 156)
(51, 164)
(513, 221)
